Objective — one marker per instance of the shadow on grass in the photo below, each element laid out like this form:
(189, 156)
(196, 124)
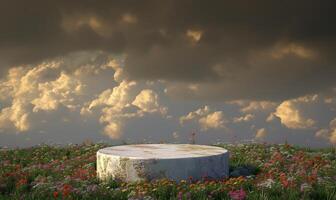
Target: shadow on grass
(243, 170)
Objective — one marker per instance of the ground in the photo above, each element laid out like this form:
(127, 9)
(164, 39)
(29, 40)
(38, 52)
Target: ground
(258, 171)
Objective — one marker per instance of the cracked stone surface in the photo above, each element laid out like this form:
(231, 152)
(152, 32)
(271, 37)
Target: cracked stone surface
(154, 161)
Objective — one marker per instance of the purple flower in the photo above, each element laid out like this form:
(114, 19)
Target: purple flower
(179, 196)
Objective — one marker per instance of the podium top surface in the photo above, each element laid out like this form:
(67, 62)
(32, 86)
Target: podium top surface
(162, 151)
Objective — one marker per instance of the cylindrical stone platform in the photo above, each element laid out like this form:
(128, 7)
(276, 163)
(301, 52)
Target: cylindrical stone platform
(139, 162)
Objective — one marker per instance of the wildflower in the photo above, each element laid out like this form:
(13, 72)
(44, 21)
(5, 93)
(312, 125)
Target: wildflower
(283, 179)
(304, 187)
(311, 178)
(21, 182)
(188, 195)
(55, 194)
(180, 195)
(287, 146)
(92, 188)
(148, 198)
(66, 189)
(284, 183)
(17, 167)
(237, 194)
(267, 184)
(183, 181)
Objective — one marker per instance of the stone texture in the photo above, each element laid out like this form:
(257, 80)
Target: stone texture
(153, 161)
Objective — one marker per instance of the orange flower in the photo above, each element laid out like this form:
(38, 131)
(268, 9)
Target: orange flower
(311, 178)
(283, 179)
(21, 182)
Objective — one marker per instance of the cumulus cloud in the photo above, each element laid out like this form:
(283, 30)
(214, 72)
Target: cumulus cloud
(29, 90)
(213, 120)
(254, 106)
(118, 97)
(282, 50)
(322, 133)
(205, 118)
(129, 18)
(116, 111)
(123, 102)
(60, 91)
(328, 134)
(332, 138)
(261, 133)
(332, 124)
(257, 106)
(292, 116)
(16, 116)
(194, 35)
(195, 114)
(119, 74)
(114, 103)
(113, 129)
(148, 101)
(270, 117)
(245, 118)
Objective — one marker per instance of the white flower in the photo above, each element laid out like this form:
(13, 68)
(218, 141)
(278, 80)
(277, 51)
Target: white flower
(305, 187)
(267, 184)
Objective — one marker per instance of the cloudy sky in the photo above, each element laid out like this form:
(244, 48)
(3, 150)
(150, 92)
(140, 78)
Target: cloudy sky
(156, 71)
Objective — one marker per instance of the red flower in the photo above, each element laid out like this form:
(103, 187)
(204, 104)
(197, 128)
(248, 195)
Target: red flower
(66, 189)
(55, 194)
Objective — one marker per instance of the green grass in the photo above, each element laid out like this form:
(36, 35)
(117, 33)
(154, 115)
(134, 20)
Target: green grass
(276, 172)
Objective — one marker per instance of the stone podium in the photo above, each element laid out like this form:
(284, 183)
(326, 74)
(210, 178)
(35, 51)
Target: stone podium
(146, 162)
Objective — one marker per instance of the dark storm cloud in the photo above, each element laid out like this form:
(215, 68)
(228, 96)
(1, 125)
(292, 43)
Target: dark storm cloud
(231, 60)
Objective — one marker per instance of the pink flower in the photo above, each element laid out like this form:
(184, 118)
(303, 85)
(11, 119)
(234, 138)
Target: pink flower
(238, 194)
(180, 195)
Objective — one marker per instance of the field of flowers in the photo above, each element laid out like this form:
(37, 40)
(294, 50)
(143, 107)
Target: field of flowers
(258, 171)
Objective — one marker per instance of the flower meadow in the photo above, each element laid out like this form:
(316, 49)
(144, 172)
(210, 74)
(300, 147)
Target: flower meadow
(257, 171)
